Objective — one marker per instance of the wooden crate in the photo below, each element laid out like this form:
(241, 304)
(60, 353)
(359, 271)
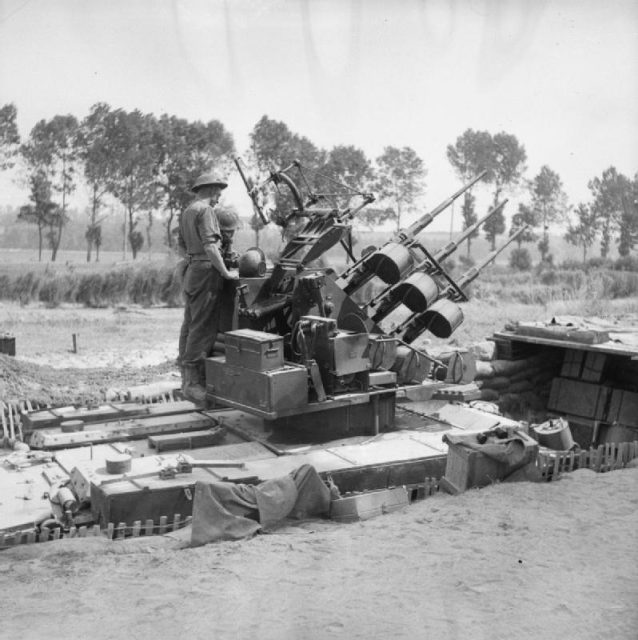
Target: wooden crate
(578, 398)
(593, 367)
(623, 408)
(466, 468)
(362, 506)
(572, 363)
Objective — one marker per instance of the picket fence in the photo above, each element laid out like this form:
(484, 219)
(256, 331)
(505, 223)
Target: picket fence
(606, 457)
(111, 531)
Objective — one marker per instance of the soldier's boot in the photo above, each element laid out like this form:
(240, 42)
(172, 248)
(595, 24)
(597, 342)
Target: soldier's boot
(182, 374)
(193, 387)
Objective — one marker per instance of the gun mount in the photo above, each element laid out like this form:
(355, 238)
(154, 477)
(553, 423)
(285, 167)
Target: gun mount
(302, 352)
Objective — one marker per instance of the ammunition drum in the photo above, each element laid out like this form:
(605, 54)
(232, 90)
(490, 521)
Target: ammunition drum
(443, 318)
(417, 292)
(390, 262)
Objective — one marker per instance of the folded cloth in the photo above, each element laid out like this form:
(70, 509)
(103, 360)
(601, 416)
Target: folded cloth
(223, 511)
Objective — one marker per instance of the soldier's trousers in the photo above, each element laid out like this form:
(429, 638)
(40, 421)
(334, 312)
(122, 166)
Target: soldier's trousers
(202, 294)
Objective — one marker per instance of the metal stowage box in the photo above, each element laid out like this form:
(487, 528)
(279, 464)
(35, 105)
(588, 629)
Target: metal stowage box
(265, 392)
(254, 350)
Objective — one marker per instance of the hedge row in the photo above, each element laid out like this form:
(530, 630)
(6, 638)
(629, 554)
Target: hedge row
(144, 285)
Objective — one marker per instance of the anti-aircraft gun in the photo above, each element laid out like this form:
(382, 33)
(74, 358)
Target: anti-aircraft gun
(302, 351)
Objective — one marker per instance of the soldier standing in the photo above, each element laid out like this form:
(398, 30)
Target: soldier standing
(199, 238)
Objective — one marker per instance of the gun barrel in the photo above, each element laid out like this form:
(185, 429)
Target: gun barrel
(453, 246)
(471, 274)
(425, 265)
(416, 323)
(425, 220)
(251, 191)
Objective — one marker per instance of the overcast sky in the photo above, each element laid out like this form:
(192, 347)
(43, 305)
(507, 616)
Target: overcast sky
(561, 75)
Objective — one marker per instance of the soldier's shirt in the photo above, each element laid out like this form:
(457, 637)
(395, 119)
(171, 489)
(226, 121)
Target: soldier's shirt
(198, 228)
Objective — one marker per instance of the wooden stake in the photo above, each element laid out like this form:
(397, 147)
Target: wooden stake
(582, 462)
(556, 470)
(4, 421)
(12, 430)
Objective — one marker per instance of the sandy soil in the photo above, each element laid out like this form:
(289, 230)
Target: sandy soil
(553, 560)
(115, 349)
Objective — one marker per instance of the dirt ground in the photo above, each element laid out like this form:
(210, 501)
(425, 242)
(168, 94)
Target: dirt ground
(115, 349)
(551, 560)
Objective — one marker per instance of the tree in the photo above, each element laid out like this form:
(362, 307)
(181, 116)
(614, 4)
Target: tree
(524, 216)
(549, 204)
(51, 148)
(43, 211)
(583, 233)
(506, 166)
(520, 259)
(346, 174)
(274, 147)
(93, 237)
(470, 155)
(256, 224)
(608, 191)
(629, 217)
(9, 136)
(131, 138)
(96, 155)
(187, 149)
(400, 179)
(468, 211)
(346, 165)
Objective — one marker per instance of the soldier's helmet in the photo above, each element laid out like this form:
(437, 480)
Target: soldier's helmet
(227, 218)
(209, 179)
(252, 263)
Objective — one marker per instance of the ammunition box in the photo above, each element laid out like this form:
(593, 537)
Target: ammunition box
(254, 350)
(578, 398)
(349, 353)
(263, 391)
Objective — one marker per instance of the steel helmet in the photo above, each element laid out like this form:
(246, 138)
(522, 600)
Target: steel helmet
(209, 179)
(252, 264)
(227, 218)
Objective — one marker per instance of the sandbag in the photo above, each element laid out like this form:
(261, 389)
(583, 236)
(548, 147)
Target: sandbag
(484, 351)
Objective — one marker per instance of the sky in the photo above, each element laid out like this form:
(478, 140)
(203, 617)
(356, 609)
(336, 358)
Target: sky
(561, 75)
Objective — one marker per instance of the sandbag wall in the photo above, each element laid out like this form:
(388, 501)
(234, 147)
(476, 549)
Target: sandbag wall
(521, 386)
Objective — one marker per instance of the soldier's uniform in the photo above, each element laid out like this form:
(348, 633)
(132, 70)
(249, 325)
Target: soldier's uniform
(198, 226)
(199, 238)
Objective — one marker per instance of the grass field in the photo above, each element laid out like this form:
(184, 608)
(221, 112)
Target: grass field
(115, 303)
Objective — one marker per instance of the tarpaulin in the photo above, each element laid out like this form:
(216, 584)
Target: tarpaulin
(511, 452)
(229, 511)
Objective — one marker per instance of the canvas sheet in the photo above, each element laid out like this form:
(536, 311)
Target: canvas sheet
(229, 511)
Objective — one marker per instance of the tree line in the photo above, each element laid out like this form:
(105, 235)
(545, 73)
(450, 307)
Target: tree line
(148, 164)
